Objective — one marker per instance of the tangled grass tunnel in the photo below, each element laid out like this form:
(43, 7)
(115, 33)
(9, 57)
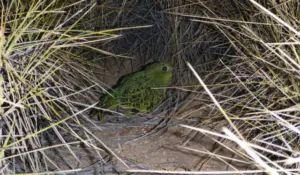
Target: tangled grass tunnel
(232, 105)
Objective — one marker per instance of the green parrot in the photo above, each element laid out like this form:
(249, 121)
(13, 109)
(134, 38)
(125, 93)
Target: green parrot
(140, 92)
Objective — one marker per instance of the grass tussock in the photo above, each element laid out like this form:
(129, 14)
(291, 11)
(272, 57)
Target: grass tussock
(44, 83)
(259, 75)
(243, 71)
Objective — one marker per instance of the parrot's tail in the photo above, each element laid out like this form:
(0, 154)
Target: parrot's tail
(97, 114)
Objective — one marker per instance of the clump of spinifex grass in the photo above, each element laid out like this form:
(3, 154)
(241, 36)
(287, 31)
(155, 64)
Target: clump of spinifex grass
(262, 108)
(41, 92)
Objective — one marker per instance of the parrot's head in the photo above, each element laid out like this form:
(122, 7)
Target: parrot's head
(160, 72)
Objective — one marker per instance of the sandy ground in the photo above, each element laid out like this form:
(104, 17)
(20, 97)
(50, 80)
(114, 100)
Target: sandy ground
(169, 149)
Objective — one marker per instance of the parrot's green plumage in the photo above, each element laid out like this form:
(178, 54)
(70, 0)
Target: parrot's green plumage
(142, 91)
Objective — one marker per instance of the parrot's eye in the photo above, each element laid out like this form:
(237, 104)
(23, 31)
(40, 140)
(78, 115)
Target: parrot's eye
(165, 68)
